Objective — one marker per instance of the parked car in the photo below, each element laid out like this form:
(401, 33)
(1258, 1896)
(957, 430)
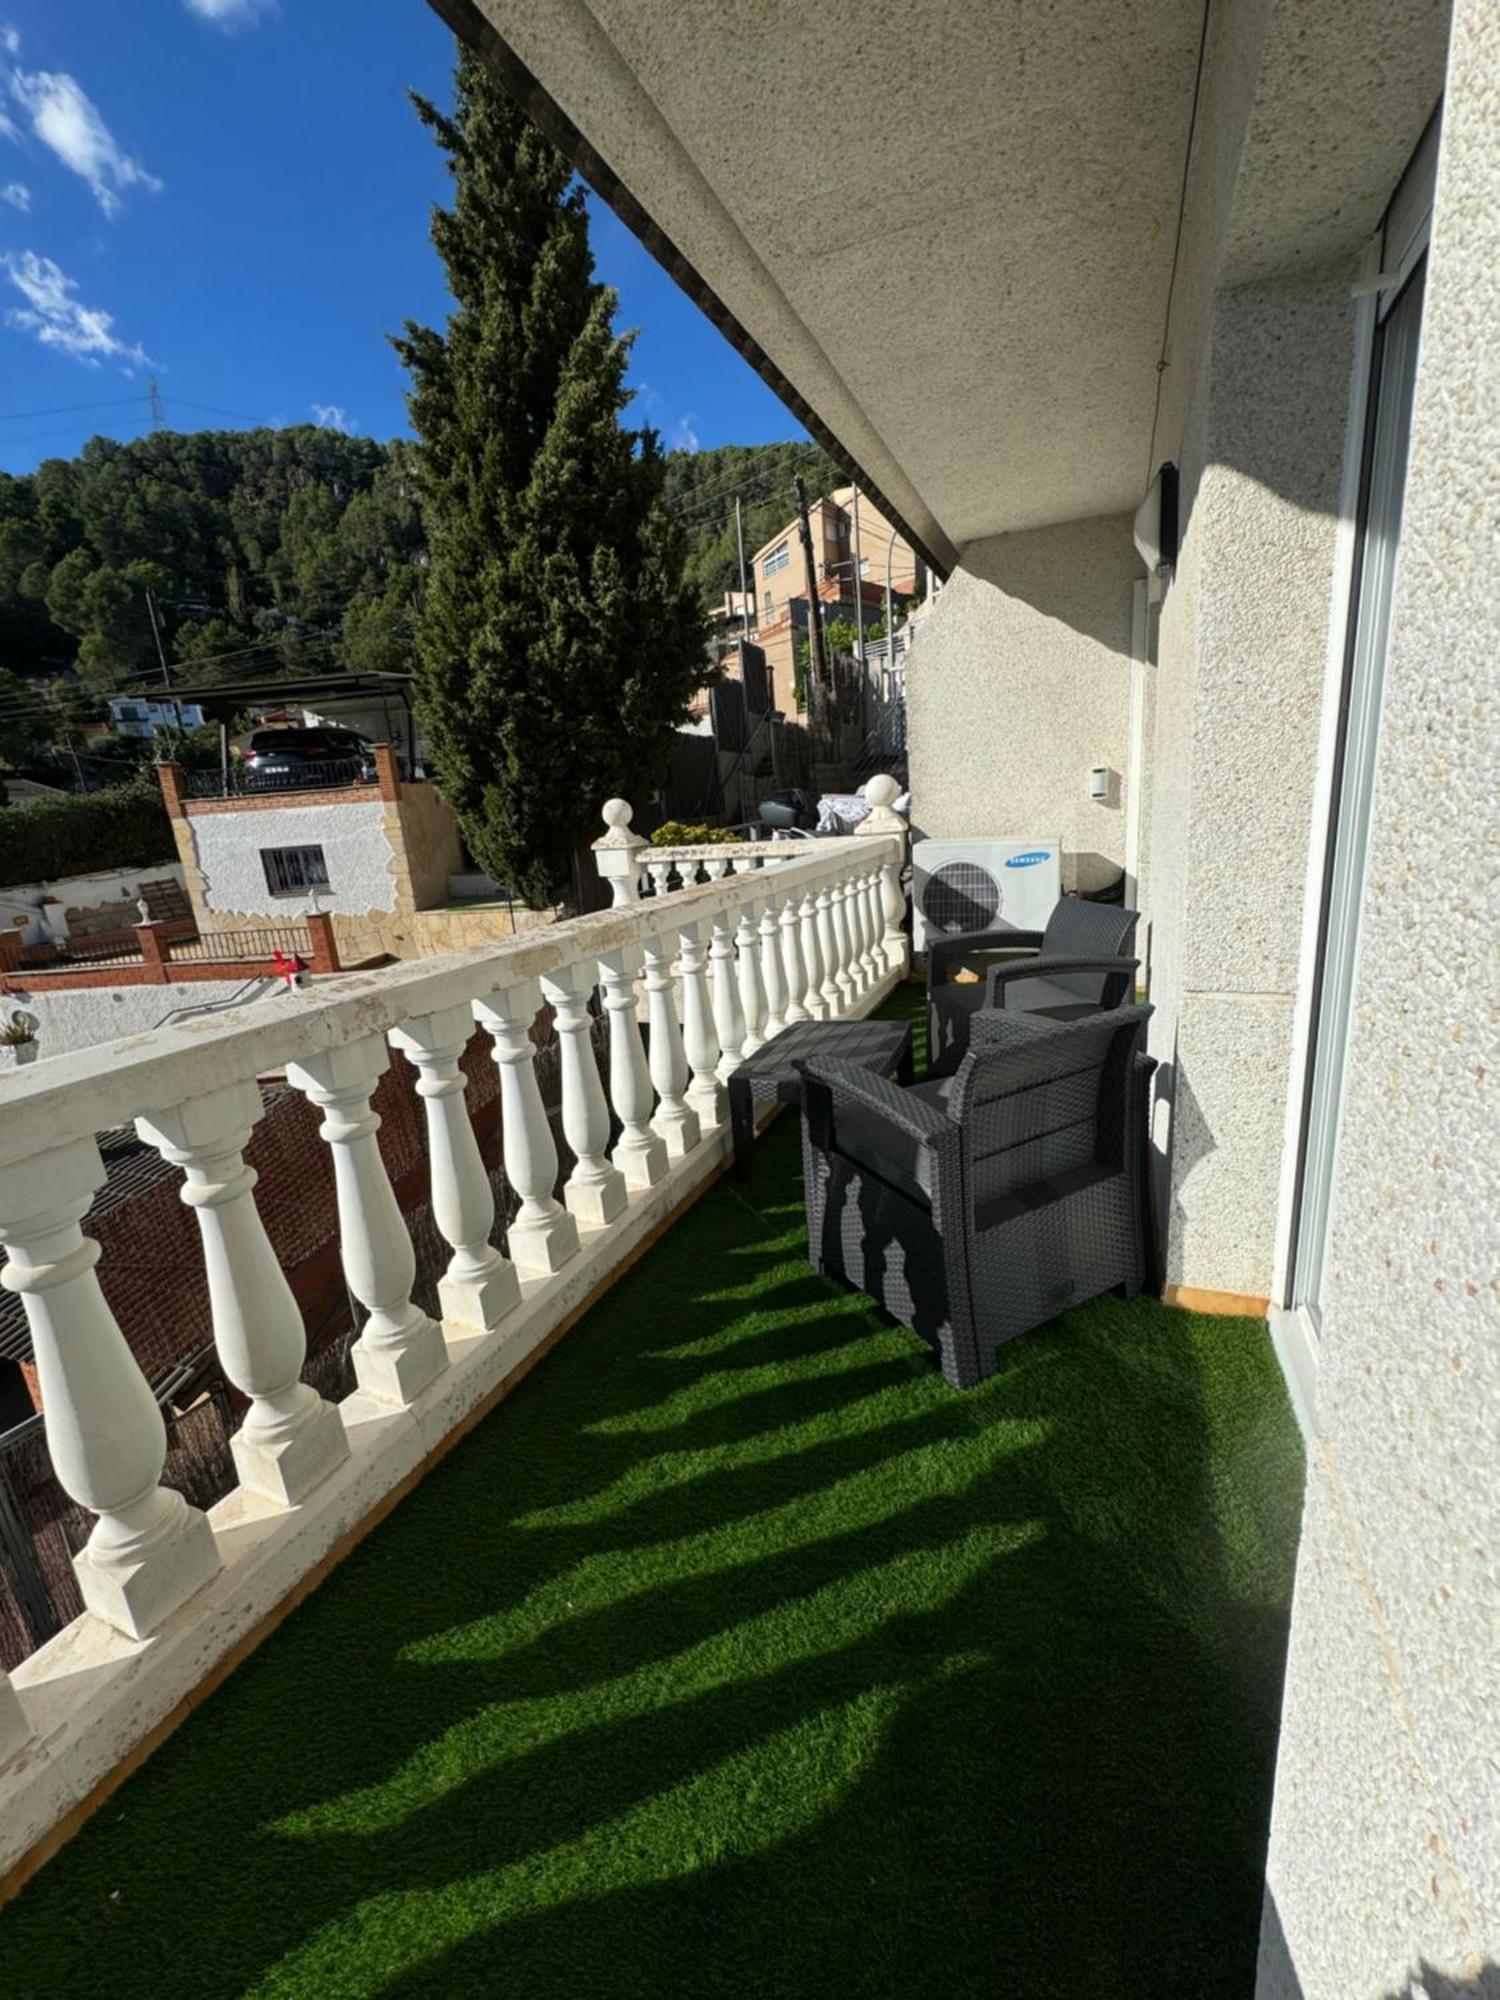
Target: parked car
(282, 760)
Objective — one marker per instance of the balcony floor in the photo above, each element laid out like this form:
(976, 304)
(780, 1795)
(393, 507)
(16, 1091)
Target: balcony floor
(735, 1654)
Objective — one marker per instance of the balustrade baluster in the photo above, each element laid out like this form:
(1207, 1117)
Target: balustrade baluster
(291, 1438)
(699, 1036)
(833, 999)
(595, 1192)
(658, 871)
(812, 954)
(400, 1349)
(640, 1153)
(729, 1012)
(844, 974)
(791, 958)
(676, 1122)
(752, 988)
(480, 1285)
(148, 1551)
(773, 971)
(544, 1235)
(870, 904)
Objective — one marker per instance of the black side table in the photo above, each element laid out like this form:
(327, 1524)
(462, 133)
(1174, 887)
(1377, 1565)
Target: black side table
(771, 1075)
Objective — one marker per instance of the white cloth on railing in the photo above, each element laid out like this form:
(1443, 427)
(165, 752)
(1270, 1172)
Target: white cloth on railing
(841, 812)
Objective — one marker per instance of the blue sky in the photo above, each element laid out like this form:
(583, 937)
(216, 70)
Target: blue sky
(234, 196)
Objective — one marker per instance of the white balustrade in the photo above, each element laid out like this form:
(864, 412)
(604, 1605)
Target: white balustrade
(778, 933)
(812, 953)
(700, 1038)
(884, 823)
(833, 999)
(729, 1011)
(676, 1122)
(544, 1235)
(640, 1154)
(148, 1550)
(291, 1438)
(15, 1730)
(751, 985)
(400, 1350)
(772, 968)
(790, 919)
(480, 1285)
(595, 1191)
(872, 923)
(844, 973)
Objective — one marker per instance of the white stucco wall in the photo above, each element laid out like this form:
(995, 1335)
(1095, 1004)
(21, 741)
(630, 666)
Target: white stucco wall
(93, 1014)
(81, 892)
(353, 839)
(1018, 683)
(1385, 1843)
(1242, 660)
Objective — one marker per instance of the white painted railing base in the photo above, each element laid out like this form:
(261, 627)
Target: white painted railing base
(93, 1696)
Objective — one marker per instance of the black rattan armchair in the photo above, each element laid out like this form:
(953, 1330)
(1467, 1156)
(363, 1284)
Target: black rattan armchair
(976, 1207)
(1076, 966)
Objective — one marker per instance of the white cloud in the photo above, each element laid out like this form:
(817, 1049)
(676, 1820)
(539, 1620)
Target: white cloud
(17, 195)
(10, 39)
(61, 321)
(332, 417)
(230, 14)
(684, 437)
(65, 118)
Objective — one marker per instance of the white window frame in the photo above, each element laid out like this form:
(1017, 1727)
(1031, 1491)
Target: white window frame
(778, 558)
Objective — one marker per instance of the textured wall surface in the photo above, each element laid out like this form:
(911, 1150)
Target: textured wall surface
(227, 847)
(1385, 1849)
(1018, 684)
(1242, 660)
(93, 1014)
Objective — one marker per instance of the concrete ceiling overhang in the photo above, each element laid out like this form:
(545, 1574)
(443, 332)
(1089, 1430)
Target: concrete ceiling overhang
(946, 232)
(949, 229)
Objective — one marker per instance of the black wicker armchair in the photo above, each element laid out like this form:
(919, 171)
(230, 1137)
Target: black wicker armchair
(1076, 966)
(976, 1207)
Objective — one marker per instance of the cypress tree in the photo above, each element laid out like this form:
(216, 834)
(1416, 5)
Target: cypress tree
(558, 642)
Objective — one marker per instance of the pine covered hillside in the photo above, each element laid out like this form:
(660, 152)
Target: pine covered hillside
(701, 487)
(287, 551)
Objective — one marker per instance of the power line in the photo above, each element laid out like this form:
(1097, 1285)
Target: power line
(67, 409)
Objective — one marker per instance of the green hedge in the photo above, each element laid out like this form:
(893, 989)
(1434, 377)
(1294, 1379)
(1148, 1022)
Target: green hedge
(45, 840)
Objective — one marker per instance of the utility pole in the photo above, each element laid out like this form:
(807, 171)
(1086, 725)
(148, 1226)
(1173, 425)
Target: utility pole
(161, 654)
(859, 590)
(739, 538)
(817, 659)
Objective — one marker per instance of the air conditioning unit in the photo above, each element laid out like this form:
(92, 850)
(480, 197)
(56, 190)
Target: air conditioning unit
(983, 885)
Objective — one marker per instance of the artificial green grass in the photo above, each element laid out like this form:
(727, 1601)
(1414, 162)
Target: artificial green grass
(736, 1655)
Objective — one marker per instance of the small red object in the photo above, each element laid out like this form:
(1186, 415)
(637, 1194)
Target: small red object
(286, 965)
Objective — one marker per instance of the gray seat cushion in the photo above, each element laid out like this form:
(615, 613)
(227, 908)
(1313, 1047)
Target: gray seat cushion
(902, 1161)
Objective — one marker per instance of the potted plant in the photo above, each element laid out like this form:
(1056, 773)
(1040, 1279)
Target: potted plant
(18, 1042)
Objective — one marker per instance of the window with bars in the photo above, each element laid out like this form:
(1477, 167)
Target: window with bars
(292, 871)
(778, 559)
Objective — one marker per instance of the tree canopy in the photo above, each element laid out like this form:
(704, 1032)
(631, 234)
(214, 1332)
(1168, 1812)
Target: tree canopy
(558, 641)
(262, 551)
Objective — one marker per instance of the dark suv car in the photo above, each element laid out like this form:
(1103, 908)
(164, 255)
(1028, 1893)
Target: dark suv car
(287, 760)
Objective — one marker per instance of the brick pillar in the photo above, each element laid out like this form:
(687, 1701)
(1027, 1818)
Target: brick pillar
(387, 772)
(154, 948)
(169, 777)
(10, 950)
(325, 944)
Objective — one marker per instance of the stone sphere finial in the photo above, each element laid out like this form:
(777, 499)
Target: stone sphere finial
(620, 812)
(879, 792)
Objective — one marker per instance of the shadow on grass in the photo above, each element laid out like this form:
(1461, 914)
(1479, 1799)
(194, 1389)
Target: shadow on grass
(736, 1654)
